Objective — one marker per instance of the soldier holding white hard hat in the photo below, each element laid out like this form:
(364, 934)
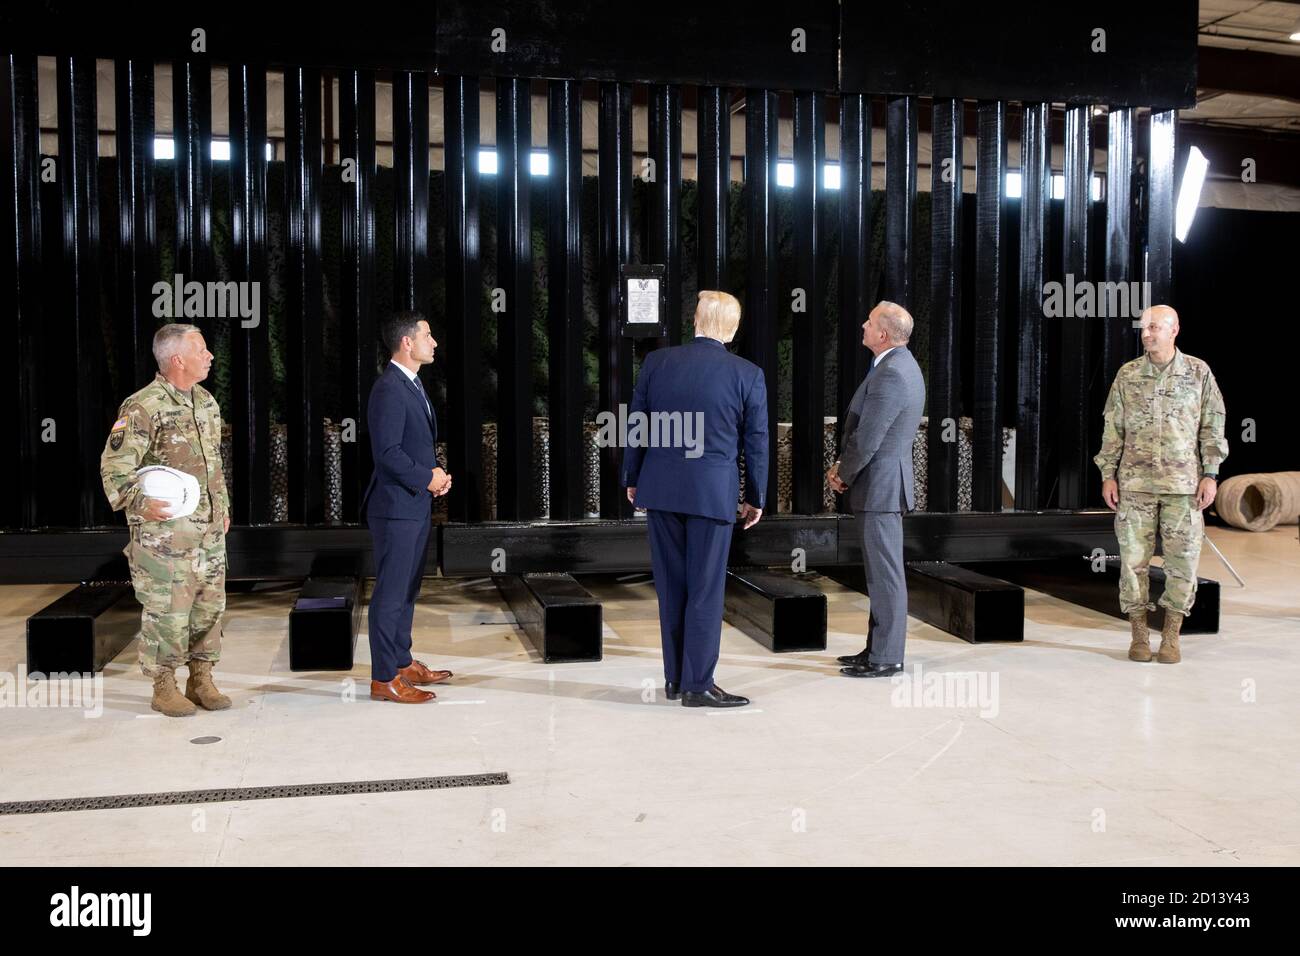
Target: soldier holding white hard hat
(177, 490)
(162, 464)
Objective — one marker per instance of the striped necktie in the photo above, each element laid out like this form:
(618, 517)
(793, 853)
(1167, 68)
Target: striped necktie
(419, 387)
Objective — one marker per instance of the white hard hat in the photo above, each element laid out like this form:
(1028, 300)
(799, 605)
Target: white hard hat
(179, 490)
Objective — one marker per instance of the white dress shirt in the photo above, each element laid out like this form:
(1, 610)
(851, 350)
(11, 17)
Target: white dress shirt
(412, 376)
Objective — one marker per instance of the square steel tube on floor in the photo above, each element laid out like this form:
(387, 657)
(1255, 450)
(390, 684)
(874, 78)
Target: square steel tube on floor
(965, 603)
(960, 602)
(83, 630)
(324, 624)
(1074, 580)
(563, 621)
(776, 609)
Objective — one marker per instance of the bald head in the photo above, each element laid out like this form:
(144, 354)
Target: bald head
(1159, 313)
(889, 325)
(1159, 326)
(896, 321)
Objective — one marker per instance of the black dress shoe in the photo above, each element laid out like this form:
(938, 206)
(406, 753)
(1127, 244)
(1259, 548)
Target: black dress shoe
(715, 696)
(671, 690)
(872, 670)
(849, 660)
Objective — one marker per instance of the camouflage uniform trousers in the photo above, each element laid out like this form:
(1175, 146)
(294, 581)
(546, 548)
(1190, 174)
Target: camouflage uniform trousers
(1182, 526)
(178, 568)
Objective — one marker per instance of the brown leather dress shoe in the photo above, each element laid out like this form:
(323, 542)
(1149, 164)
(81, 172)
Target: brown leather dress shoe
(417, 673)
(399, 692)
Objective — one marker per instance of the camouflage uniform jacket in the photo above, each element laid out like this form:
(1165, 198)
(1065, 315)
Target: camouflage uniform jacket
(160, 425)
(1164, 429)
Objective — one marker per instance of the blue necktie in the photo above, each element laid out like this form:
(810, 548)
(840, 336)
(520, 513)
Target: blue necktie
(419, 387)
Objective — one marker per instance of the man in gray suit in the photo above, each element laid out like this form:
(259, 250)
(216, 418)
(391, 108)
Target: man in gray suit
(875, 468)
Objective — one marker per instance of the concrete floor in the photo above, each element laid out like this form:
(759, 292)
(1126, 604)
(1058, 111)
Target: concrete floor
(1080, 757)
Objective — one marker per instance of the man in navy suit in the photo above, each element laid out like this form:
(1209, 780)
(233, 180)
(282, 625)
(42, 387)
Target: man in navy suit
(403, 433)
(700, 402)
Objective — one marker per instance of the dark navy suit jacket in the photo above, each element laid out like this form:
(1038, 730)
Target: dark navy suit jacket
(403, 433)
(701, 376)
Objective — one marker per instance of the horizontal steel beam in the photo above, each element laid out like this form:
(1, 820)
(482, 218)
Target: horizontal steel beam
(534, 547)
(618, 546)
(792, 542)
(289, 552)
(1015, 534)
(965, 603)
(1248, 71)
(263, 553)
(776, 609)
(1074, 580)
(558, 615)
(324, 624)
(83, 630)
(962, 603)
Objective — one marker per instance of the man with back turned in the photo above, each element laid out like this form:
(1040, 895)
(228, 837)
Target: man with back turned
(691, 492)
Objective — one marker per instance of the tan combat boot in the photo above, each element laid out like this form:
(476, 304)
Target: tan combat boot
(200, 689)
(1140, 649)
(166, 698)
(1168, 653)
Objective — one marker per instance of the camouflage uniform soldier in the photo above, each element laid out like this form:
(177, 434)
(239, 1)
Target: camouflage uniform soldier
(178, 566)
(1160, 454)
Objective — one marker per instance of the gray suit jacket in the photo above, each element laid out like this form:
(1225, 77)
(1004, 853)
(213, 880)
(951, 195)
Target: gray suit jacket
(876, 448)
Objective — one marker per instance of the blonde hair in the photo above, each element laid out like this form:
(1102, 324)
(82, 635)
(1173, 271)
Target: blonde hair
(717, 315)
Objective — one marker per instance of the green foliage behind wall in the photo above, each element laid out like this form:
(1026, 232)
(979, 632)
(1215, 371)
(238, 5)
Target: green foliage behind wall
(273, 293)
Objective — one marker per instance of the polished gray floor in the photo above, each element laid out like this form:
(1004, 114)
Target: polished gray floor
(1055, 751)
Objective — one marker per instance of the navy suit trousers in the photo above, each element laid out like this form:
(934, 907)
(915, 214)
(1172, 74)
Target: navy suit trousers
(400, 549)
(689, 557)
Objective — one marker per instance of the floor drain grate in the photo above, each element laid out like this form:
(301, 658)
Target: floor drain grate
(123, 801)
